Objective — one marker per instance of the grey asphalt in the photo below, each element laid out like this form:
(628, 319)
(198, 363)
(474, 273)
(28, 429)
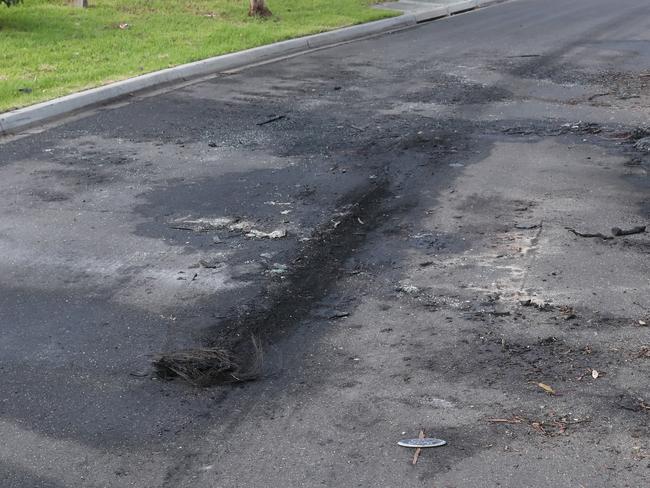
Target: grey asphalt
(463, 149)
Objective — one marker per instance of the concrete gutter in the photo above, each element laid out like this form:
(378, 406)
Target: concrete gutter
(16, 120)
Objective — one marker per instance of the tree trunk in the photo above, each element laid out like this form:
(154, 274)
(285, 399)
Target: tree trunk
(259, 9)
(80, 3)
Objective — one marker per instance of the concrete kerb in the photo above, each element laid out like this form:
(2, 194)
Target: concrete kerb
(359, 31)
(431, 14)
(24, 118)
(463, 6)
(440, 11)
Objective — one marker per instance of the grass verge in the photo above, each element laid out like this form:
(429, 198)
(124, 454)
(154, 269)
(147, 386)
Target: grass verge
(50, 49)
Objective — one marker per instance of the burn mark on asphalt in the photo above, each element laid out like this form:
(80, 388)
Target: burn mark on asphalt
(286, 302)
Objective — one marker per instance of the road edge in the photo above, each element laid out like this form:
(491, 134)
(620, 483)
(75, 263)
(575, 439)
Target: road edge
(23, 118)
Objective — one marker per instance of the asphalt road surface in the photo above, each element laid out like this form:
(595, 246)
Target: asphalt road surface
(419, 189)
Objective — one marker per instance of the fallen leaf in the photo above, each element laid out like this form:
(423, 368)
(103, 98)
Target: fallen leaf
(546, 388)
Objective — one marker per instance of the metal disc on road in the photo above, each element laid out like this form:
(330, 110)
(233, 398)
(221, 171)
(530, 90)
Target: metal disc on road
(426, 442)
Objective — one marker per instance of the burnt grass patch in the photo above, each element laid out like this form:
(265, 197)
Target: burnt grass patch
(209, 365)
(233, 349)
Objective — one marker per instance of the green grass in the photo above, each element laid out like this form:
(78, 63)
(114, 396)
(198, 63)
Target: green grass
(53, 49)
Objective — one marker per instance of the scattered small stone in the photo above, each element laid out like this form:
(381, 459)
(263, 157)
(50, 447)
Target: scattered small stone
(408, 288)
(278, 269)
(226, 223)
(339, 315)
(277, 203)
(258, 234)
(540, 304)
